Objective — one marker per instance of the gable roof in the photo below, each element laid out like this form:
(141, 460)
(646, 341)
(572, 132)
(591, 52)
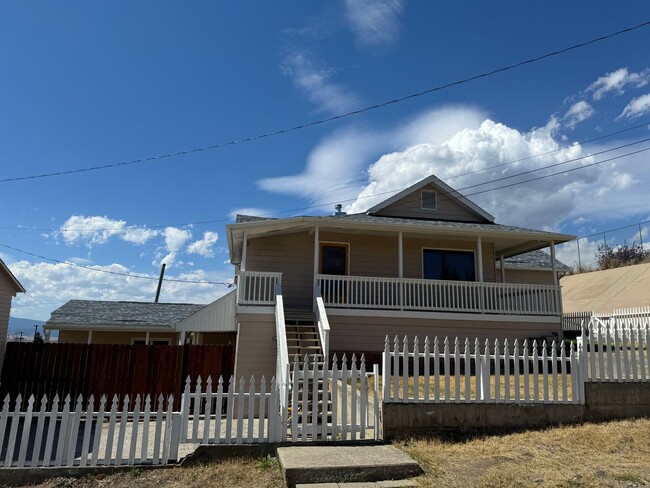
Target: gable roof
(446, 189)
(532, 260)
(14, 281)
(84, 313)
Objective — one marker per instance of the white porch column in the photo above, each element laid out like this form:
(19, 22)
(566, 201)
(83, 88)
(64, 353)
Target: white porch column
(146, 338)
(400, 264)
(48, 332)
(503, 269)
(553, 263)
(181, 338)
(400, 255)
(316, 242)
(479, 258)
(90, 337)
(242, 266)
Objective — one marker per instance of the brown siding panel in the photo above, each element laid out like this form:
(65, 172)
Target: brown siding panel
(256, 346)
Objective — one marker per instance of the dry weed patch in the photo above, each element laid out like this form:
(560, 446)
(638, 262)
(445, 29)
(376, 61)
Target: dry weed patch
(608, 454)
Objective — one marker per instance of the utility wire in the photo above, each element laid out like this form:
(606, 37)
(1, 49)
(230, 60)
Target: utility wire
(332, 218)
(213, 221)
(129, 275)
(335, 117)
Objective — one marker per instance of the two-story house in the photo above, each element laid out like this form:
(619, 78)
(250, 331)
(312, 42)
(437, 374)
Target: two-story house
(423, 262)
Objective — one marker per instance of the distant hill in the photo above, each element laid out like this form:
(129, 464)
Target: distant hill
(26, 326)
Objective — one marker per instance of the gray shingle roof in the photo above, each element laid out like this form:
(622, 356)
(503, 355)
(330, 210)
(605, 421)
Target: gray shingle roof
(534, 259)
(375, 219)
(127, 314)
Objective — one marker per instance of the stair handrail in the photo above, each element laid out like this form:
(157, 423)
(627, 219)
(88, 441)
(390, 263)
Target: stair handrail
(323, 325)
(282, 358)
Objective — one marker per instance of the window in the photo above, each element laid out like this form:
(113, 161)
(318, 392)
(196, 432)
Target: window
(429, 200)
(152, 342)
(333, 259)
(448, 265)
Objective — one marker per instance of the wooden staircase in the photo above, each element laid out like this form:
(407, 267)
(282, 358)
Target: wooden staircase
(303, 340)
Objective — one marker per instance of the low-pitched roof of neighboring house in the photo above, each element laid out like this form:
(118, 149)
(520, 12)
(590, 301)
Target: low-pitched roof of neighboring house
(14, 281)
(106, 314)
(534, 260)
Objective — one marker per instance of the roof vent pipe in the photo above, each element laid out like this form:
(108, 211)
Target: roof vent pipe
(160, 280)
(338, 207)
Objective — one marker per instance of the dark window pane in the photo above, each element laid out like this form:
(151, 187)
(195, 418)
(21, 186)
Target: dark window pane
(429, 200)
(448, 265)
(333, 260)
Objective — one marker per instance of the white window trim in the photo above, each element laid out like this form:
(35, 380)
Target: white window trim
(422, 192)
(473, 251)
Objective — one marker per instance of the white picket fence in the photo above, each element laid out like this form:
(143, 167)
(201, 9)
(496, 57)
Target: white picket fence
(232, 415)
(67, 434)
(617, 350)
(444, 372)
(334, 404)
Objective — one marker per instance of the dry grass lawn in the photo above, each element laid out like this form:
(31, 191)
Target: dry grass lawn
(473, 387)
(609, 454)
(244, 473)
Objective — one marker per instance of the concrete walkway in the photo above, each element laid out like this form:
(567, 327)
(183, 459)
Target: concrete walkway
(345, 464)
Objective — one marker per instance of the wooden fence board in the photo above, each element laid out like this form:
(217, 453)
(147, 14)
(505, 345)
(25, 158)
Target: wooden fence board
(108, 369)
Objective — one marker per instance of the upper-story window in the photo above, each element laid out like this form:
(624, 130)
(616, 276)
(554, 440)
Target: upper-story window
(429, 199)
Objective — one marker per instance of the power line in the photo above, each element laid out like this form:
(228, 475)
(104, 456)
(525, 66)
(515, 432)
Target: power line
(213, 221)
(128, 275)
(335, 117)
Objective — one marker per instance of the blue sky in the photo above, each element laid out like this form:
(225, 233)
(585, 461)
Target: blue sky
(88, 83)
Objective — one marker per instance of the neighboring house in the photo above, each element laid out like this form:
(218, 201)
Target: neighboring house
(9, 287)
(422, 262)
(531, 267)
(105, 322)
(607, 290)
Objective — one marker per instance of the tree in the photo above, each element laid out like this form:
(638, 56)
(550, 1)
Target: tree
(38, 338)
(624, 255)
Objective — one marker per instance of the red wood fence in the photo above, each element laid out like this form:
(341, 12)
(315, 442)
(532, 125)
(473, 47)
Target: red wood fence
(109, 369)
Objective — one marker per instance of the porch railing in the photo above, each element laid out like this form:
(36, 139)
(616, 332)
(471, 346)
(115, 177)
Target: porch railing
(439, 295)
(257, 287)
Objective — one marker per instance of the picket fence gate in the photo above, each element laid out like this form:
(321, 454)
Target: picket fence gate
(76, 436)
(503, 373)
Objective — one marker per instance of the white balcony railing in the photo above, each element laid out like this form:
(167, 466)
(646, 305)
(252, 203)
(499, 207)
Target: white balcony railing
(439, 295)
(257, 287)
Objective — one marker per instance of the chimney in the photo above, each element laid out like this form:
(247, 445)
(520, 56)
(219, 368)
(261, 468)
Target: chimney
(338, 207)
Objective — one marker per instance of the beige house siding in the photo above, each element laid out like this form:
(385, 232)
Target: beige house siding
(293, 256)
(7, 292)
(256, 347)
(367, 334)
(110, 337)
(411, 207)
(369, 255)
(527, 276)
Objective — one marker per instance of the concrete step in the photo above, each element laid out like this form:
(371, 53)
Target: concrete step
(337, 464)
(370, 484)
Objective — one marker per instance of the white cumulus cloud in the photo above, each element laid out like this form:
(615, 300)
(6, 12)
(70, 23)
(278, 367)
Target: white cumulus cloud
(175, 239)
(316, 82)
(637, 107)
(50, 285)
(97, 230)
(616, 82)
(578, 112)
(204, 247)
(374, 22)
